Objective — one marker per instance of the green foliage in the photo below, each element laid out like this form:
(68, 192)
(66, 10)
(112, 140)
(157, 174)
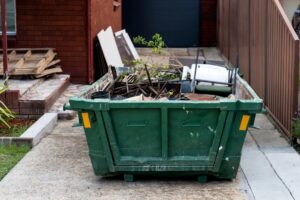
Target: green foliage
(10, 156)
(15, 130)
(5, 113)
(296, 128)
(139, 40)
(156, 43)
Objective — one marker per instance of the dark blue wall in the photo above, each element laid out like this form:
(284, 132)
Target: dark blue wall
(178, 21)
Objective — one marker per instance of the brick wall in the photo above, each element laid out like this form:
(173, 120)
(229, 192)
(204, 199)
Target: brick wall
(208, 23)
(65, 26)
(60, 24)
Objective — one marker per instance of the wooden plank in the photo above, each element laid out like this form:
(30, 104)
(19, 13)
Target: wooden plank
(24, 50)
(29, 68)
(19, 64)
(27, 55)
(54, 62)
(29, 61)
(50, 71)
(12, 55)
(42, 65)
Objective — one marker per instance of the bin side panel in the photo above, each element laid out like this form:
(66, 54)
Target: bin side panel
(192, 131)
(137, 132)
(165, 135)
(97, 151)
(232, 155)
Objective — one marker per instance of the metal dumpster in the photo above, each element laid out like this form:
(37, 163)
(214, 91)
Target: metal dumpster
(166, 138)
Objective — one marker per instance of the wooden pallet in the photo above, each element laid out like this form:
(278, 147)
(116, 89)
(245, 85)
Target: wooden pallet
(31, 62)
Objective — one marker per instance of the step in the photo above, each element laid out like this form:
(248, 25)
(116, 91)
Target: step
(39, 99)
(23, 85)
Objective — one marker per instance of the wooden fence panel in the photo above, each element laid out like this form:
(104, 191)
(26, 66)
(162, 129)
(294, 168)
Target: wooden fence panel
(269, 53)
(282, 67)
(257, 45)
(225, 26)
(244, 37)
(233, 42)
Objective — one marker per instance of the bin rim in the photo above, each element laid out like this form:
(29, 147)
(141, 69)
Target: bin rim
(80, 98)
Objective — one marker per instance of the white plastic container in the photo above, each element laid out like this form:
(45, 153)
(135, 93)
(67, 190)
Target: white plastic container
(209, 73)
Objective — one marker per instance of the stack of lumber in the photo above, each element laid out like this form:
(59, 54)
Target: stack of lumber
(31, 62)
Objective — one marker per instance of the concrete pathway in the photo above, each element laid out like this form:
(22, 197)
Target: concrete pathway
(59, 168)
(270, 164)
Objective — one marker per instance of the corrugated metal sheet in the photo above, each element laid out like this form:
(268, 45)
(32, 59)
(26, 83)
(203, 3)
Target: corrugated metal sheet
(268, 48)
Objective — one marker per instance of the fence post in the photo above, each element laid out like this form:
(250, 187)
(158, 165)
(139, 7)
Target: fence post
(266, 51)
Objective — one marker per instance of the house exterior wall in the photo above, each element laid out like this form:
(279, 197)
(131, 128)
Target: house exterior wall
(59, 24)
(208, 27)
(102, 14)
(72, 26)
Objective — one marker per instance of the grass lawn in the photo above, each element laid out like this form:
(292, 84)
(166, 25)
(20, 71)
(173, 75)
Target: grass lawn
(10, 156)
(18, 127)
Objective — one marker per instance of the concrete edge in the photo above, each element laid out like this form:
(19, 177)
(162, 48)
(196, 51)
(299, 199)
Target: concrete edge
(41, 128)
(35, 133)
(67, 115)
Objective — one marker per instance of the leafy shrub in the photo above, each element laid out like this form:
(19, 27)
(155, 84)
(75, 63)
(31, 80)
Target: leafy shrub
(156, 43)
(5, 113)
(296, 128)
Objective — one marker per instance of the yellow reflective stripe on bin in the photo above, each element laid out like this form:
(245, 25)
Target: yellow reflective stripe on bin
(244, 122)
(86, 120)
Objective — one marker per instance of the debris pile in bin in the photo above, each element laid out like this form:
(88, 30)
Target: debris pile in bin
(139, 81)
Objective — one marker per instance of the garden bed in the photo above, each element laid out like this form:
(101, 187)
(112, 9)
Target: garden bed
(17, 140)
(18, 127)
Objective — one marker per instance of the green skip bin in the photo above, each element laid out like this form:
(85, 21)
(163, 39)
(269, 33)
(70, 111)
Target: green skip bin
(166, 137)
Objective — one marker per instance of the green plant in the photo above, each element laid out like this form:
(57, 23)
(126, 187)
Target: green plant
(5, 113)
(156, 43)
(17, 128)
(296, 128)
(139, 40)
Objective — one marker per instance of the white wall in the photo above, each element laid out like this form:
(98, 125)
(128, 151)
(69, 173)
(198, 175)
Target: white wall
(290, 6)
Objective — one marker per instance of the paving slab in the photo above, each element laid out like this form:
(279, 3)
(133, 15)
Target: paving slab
(166, 51)
(262, 122)
(178, 51)
(23, 85)
(287, 165)
(157, 60)
(59, 168)
(269, 139)
(210, 53)
(244, 185)
(283, 158)
(46, 89)
(72, 90)
(261, 177)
